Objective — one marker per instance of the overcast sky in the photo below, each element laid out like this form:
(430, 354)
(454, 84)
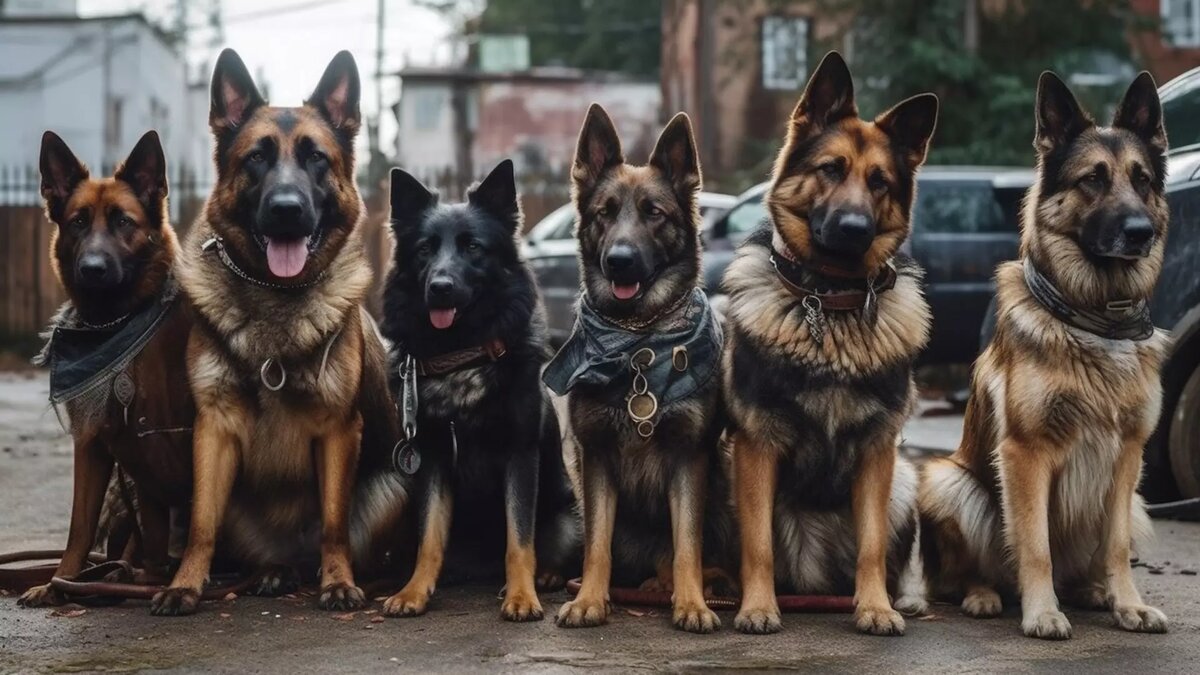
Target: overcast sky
(291, 41)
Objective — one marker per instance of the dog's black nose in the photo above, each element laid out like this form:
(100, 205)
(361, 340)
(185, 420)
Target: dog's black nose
(1137, 230)
(93, 268)
(854, 227)
(441, 287)
(620, 257)
(285, 206)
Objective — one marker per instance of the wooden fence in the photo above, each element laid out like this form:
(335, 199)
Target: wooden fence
(30, 293)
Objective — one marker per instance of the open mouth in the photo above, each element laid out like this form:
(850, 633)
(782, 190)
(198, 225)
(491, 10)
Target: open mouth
(442, 318)
(286, 258)
(625, 291)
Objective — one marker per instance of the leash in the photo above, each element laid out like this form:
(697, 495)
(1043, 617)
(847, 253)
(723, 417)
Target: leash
(787, 603)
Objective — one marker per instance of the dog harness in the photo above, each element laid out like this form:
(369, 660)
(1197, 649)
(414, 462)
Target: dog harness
(642, 370)
(1126, 319)
(847, 289)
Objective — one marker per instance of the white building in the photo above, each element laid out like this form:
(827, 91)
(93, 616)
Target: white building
(100, 83)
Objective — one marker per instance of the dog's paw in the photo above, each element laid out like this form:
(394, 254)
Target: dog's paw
(982, 604)
(758, 620)
(582, 613)
(878, 621)
(341, 597)
(912, 605)
(406, 603)
(520, 606)
(695, 618)
(175, 602)
(1048, 625)
(40, 596)
(548, 581)
(1140, 619)
(275, 581)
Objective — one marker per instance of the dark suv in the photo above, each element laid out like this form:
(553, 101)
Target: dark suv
(964, 223)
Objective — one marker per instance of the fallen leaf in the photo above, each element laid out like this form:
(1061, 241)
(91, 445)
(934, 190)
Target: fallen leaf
(348, 616)
(225, 616)
(230, 596)
(369, 612)
(635, 612)
(377, 619)
(929, 617)
(69, 613)
(369, 627)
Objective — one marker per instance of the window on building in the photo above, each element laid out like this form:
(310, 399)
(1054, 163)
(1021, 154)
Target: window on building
(1181, 22)
(784, 52)
(427, 108)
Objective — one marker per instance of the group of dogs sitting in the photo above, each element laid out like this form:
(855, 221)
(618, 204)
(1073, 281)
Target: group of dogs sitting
(244, 391)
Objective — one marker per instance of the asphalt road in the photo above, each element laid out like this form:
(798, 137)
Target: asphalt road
(463, 631)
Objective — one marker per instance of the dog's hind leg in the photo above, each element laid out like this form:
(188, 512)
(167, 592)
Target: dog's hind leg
(755, 474)
(437, 507)
(591, 606)
(215, 460)
(93, 469)
(869, 497)
(687, 516)
(1113, 555)
(912, 593)
(520, 561)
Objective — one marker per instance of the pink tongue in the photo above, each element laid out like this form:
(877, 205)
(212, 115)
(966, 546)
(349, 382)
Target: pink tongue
(441, 318)
(625, 291)
(286, 258)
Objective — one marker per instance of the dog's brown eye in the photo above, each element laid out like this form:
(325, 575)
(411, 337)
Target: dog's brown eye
(876, 182)
(1141, 178)
(1092, 180)
(317, 156)
(126, 221)
(654, 211)
(832, 170)
(255, 157)
(78, 222)
(474, 247)
(604, 212)
(424, 248)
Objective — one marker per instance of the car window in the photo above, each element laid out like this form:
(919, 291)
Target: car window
(1180, 115)
(745, 217)
(560, 224)
(958, 207)
(710, 215)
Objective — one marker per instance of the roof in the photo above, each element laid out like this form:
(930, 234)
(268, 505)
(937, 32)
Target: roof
(106, 18)
(538, 74)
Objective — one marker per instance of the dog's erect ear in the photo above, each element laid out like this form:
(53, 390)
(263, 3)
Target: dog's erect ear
(676, 158)
(1060, 119)
(338, 92)
(234, 95)
(410, 198)
(1141, 112)
(829, 95)
(61, 173)
(497, 194)
(598, 149)
(910, 124)
(145, 170)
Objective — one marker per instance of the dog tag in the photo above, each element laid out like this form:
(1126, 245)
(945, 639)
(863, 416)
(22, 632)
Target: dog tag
(406, 458)
(642, 406)
(124, 389)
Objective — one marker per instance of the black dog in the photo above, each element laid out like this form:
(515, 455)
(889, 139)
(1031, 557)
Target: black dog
(469, 341)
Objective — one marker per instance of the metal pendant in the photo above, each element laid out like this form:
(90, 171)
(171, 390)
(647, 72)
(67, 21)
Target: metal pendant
(408, 398)
(406, 457)
(871, 306)
(642, 406)
(814, 316)
(124, 389)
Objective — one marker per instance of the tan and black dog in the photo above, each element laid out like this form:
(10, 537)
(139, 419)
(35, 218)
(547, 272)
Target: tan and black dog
(824, 321)
(641, 371)
(1041, 492)
(288, 372)
(115, 344)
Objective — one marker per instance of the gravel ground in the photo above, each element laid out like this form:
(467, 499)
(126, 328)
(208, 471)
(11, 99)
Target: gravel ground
(463, 631)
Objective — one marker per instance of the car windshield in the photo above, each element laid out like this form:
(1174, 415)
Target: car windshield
(558, 225)
(746, 217)
(1181, 105)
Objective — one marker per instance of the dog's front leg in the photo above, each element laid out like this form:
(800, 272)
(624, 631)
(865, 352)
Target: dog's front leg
(591, 606)
(871, 492)
(216, 448)
(755, 474)
(437, 508)
(1113, 555)
(337, 463)
(1027, 470)
(520, 562)
(687, 521)
(93, 469)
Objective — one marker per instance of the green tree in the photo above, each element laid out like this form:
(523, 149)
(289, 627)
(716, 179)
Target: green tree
(616, 35)
(987, 83)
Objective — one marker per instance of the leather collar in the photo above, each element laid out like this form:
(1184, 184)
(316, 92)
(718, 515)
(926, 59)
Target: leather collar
(461, 359)
(795, 274)
(1122, 319)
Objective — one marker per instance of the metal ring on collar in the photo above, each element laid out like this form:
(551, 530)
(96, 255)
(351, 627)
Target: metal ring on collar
(633, 360)
(262, 374)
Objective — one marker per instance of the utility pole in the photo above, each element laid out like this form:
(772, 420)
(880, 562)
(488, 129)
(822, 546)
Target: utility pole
(971, 26)
(106, 153)
(376, 167)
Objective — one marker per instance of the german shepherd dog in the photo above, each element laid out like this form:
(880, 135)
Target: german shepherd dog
(643, 488)
(288, 373)
(825, 319)
(113, 250)
(468, 336)
(1065, 396)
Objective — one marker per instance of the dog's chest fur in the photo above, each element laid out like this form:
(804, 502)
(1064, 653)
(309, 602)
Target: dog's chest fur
(819, 405)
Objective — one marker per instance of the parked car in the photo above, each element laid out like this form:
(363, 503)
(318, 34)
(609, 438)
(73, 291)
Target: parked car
(964, 223)
(551, 249)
